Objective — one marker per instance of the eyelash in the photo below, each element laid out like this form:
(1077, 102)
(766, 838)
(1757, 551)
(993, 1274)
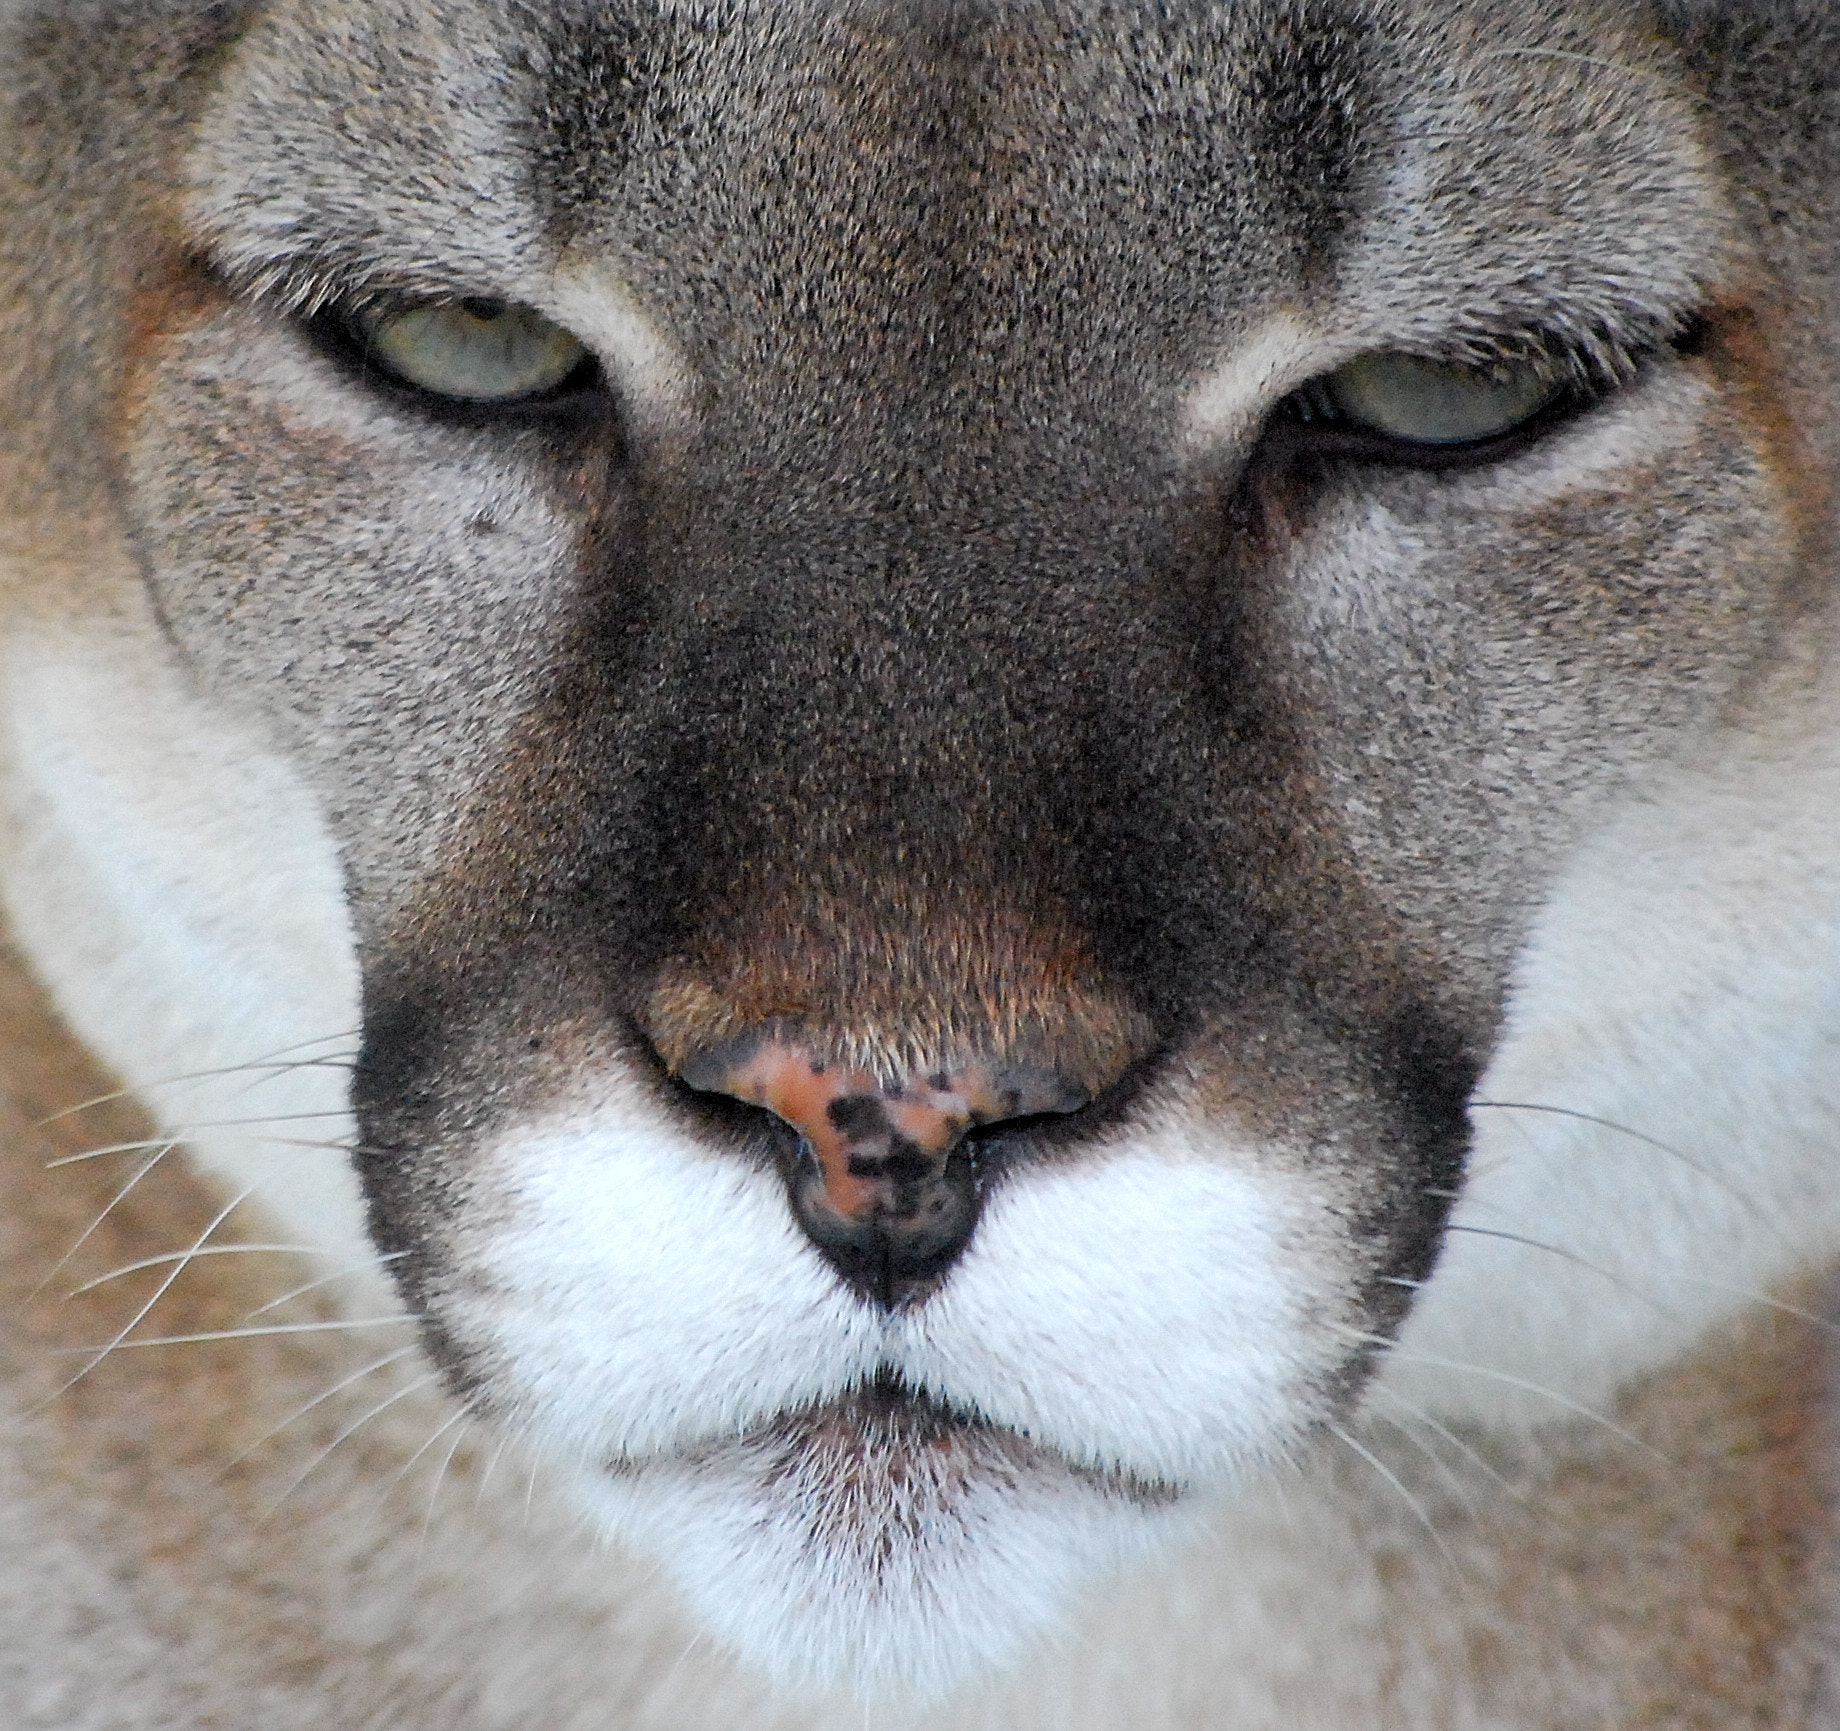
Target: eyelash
(582, 400)
(1307, 427)
(1298, 432)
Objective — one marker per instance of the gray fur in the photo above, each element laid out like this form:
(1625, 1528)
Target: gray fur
(908, 668)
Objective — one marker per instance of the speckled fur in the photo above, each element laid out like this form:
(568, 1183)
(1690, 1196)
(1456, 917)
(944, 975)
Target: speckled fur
(934, 644)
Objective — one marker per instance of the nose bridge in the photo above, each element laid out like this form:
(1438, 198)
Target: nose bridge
(885, 690)
(908, 643)
(886, 719)
(893, 982)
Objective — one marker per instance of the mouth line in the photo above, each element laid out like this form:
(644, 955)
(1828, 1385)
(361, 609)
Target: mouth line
(885, 1429)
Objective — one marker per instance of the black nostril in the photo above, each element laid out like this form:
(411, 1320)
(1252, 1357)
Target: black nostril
(885, 1179)
(892, 1252)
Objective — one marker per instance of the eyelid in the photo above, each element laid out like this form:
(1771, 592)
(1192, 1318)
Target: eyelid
(338, 328)
(1308, 425)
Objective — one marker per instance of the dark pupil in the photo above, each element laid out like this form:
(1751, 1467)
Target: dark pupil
(480, 308)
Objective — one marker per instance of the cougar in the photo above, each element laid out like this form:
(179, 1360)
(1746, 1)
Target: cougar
(962, 863)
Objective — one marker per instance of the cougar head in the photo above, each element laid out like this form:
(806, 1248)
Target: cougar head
(950, 649)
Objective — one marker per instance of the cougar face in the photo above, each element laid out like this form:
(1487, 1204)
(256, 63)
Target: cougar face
(950, 650)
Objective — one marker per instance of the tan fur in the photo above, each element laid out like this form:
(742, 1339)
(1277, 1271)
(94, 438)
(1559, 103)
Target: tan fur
(165, 1570)
(1431, 1326)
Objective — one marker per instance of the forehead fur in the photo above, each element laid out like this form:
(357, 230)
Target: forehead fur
(917, 186)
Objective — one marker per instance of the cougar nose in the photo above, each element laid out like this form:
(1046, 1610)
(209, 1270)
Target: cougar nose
(881, 1185)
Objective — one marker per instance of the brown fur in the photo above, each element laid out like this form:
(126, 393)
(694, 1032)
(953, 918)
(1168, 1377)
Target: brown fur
(1679, 1571)
(889, 658)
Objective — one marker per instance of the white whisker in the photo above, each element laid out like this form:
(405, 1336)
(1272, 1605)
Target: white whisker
(1411, 1502)
(268, 1060)
(350, 1325)
(347, 1272)
(1468, 1450)
(185, 1255)
(1501, 1376)
(108, 1208)
(160, 1142)
(346, 1434)
(181, 1135)
(159, 1292)
(324, 1395)
(1404, 1426)
(491, 1466)
(1710, 1174)
(403, 1471)
(1564, 1255)
(434, 1496)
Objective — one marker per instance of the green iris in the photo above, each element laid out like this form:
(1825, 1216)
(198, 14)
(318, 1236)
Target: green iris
(474, 351)
(1426, 402)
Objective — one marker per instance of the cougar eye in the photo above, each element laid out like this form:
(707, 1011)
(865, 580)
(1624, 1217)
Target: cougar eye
(1426, 402)
(475, 351)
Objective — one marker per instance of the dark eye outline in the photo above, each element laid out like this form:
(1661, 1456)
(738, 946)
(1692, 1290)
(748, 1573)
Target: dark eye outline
(340, 330)
(1299, 428)
(1306, 426)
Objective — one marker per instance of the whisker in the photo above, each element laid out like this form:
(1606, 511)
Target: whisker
(266, 1059)
(491, 1466)
(1472, 1454)
(351, 1325)
(345, 1435)
(1407, 1356)
(1411, 1502)
(434, 1496)
(266, 1073)
(1564, 1255)
(1711, 1174)
(403, 1471)
(160, 1142)
(1461, 1490)
(338, 1387)
(327, 1144)
(186, 1132)
(1749, 1294)
(345, 1273)
(185, 1255)
(1826, 1324)
(159, 1292)
(108, 1208)
(268, 1118)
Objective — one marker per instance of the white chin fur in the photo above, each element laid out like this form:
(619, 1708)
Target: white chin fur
(878, 1571)
(1148, 1311)
(1123, 1332)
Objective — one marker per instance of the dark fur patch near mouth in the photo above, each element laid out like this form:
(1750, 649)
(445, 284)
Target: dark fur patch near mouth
(887, 1454)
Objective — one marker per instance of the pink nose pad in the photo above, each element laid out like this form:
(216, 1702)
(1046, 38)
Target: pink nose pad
(869, 1136)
